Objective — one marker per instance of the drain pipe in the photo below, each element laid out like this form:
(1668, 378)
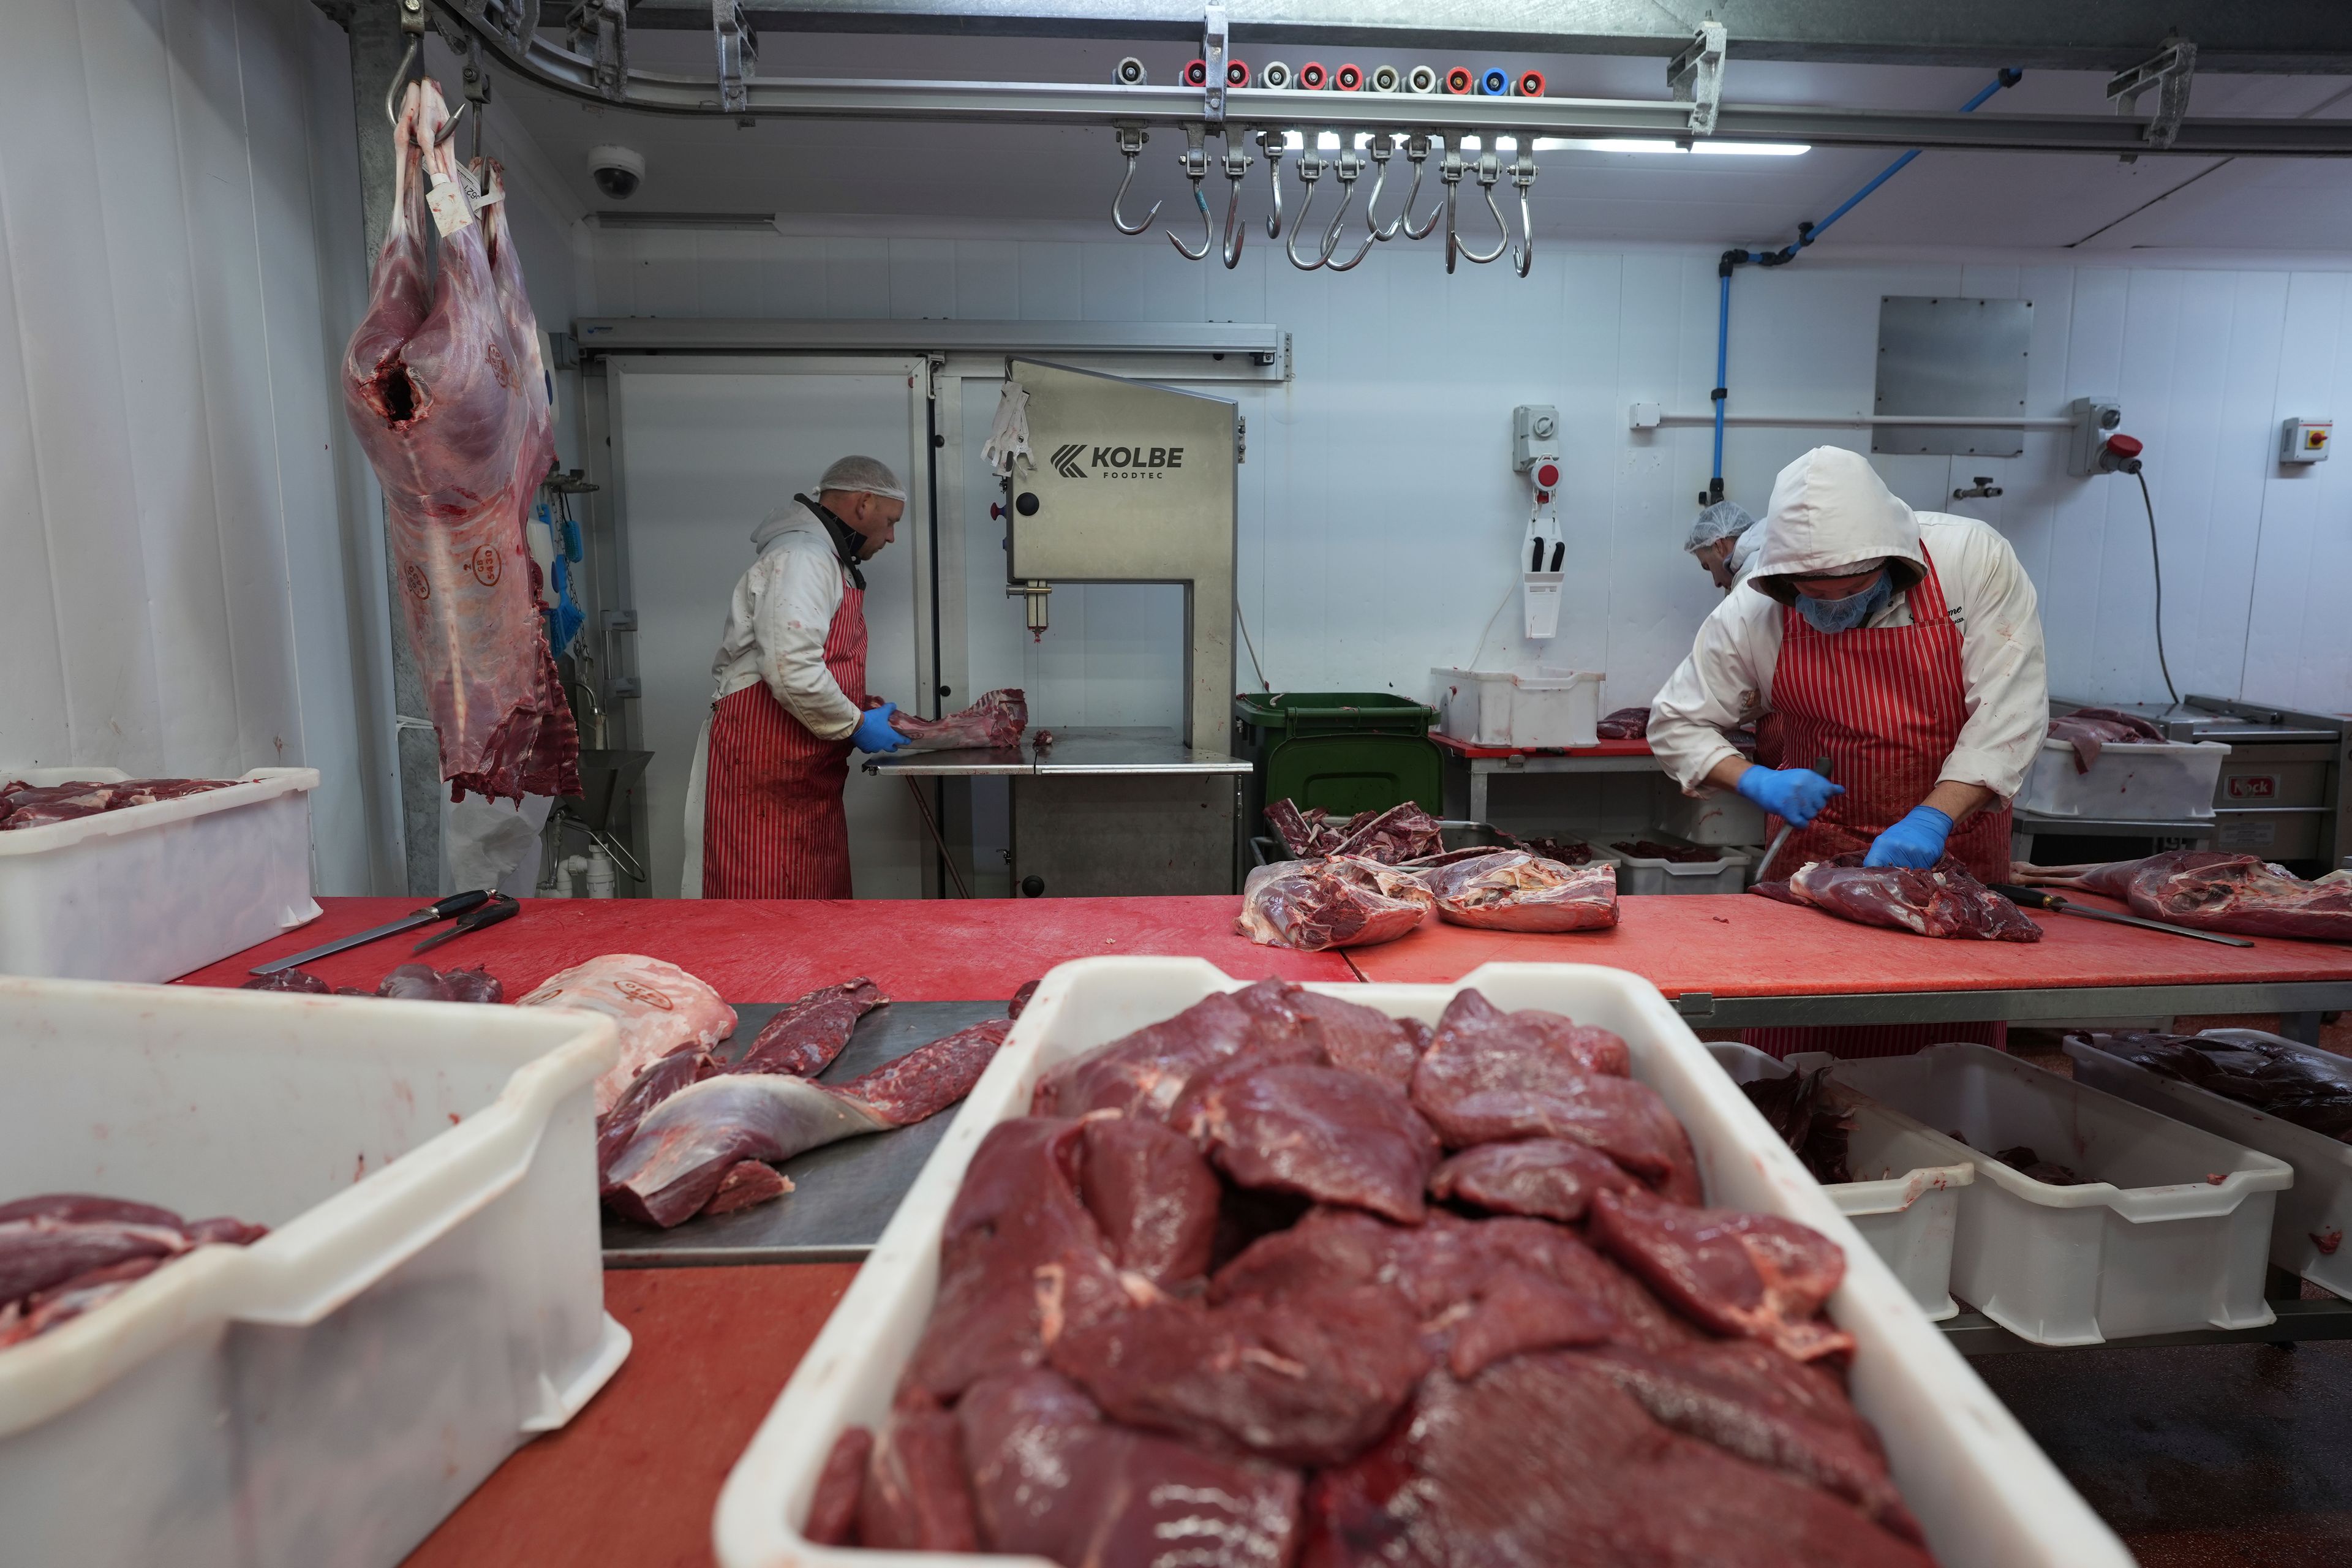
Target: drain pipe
(1806, 234)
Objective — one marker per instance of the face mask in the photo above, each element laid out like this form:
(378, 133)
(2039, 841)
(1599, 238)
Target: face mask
(1844, 614)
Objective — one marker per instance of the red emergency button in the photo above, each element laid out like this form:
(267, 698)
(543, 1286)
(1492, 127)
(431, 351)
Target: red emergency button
(1548, 476)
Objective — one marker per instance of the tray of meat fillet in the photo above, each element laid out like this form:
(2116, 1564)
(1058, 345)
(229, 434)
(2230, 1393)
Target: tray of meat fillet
(1501, 1271)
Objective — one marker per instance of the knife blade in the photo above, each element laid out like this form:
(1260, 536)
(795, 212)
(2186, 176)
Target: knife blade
(2041, 898)
(499, 908)
(440, 909)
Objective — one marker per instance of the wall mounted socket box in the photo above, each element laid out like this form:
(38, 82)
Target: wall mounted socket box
(1535, 435)
(2093, 418)
(2305, 440)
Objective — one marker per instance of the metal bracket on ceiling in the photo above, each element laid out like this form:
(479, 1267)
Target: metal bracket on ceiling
(599, 29)
(738, 54)
(1212, 57)
(2169, 72)
(1696, 77)
(504, 19)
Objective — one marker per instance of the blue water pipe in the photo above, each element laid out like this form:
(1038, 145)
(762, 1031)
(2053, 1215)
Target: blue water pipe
(1806, 234)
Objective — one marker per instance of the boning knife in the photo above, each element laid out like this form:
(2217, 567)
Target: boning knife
(2041, 899)
(441, 909)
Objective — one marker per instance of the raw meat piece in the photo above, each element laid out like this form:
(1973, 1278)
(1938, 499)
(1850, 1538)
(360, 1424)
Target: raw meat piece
(833, 1512)
(749, 1183)
(1317, 905)
(1154, 1196)
(1050, 1477)
(804, 1039)
(2089, 730)
(1547, 1178)
(1307, 1381)
(1680, 854)
(446, 395)
(1944, 902)
(1514, 890)
(1306, 834)
(1146, 1073)
(1516, 1311)
(62, 1254)
(1333, 1136)
(299, 982)
(1347, 1034)
(88, 1208)
(690, 1063)
(1542, 1459)
(685, 1147)
(916, 1498)
(1624, 724)
(1013, 1008)
(1803, 1113)
(1568, 852)
(423, 982)
(37, 805)
(657, 1005)
(2033, 1167)
(996, 719)
(1021, 1261)
(1755, 1275)
(38, 1314)
(40, 1254)
(1401, 832)
(2240, 894)
(1471, 1026)
(2271, 1076)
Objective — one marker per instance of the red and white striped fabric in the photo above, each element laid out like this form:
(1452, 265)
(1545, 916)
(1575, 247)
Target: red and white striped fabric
(1885, 706)
(773, 826)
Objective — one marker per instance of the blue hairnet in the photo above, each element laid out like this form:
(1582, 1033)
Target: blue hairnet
(1724, 520)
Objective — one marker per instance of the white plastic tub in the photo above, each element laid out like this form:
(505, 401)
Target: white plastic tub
(429, 1296)
(1644, 874)
(2151, 1247)
(152, 892)
(2318, 1205)
(2138, 781)
(1716, 817)
(1535, 707)
(1987, 1497)
(1909, 1219)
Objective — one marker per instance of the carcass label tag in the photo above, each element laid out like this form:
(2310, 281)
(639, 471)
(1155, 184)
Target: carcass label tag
(451, 211)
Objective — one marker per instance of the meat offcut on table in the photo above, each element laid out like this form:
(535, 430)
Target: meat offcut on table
(1282, 1279)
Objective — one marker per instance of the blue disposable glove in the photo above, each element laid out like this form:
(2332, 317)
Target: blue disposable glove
(874, 733)
(1794, 794)
(1916, 841)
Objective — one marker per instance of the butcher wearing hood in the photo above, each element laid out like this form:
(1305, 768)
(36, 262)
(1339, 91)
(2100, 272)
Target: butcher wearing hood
(764, 816)
(1905, 646)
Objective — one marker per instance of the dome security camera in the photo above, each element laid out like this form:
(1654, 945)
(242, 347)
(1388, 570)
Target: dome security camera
(617, 170)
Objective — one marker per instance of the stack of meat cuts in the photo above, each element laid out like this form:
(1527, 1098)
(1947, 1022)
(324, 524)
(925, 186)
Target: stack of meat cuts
(2215, 890)
(37, 805)
(1625, 724)
(1341, 901)
(2088, 730)
(1198, 1308)
(1401, 832)
(1944, 902)
(694, 1135)
(61, 1253)
(1511, 889)
(2293, 1085)
(997, 719)
(444, 385)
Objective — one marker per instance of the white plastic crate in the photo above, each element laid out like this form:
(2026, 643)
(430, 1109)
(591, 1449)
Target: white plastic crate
(1908, 1219)
(430, 1295)
(2149, 1246)
(2320, 1201)
(1716, 817)
(2138, 781)
(152, 892)
(1986, 1496)
(1644, 874)
(1531, 707)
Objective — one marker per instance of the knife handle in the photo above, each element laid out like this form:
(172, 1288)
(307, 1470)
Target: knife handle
(456, 904)
(2028, 898)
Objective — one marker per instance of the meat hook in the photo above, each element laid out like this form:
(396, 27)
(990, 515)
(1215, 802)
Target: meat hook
(1416, 152)
(1311, 164)
(1347, 167)
(1490, 169)
(1130, 138)
(449, 126)
(1195, 160)
(1451, 173)
(1384, 149)
(1271, 144)
(399, 80)
(1523, 174)
(1237, 163)
(1381, 155)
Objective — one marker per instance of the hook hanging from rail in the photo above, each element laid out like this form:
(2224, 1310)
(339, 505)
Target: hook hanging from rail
(1238, 164)
(1383, 148)
(1523, 175)
(1272, 143)
(1346, 168)
(1490, 169)
(1371, 228)
(1450, 171)
(1311, 164)
(1130, 138)
(1195, 160)
(1416, 152)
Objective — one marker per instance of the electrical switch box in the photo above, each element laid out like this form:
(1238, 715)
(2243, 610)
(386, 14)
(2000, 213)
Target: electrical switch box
(2305, 440)
(2093, 418)
(1534, 435)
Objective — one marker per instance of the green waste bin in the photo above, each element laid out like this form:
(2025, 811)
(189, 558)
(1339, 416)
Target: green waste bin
(1344, 751)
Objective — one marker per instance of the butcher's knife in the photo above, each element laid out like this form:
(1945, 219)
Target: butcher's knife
(2041, 899)
(1821, 766)
(441, 909)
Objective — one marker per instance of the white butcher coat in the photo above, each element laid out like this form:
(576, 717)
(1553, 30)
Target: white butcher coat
(1830, 509)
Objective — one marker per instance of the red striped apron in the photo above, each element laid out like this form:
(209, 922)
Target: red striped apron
(772, 825)
(1885, 705)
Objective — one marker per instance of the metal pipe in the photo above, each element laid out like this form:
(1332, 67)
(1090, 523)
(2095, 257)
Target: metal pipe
(1970, 421)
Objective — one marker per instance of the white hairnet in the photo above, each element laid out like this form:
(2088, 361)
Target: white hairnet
(1724, 520)
(870, 475)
